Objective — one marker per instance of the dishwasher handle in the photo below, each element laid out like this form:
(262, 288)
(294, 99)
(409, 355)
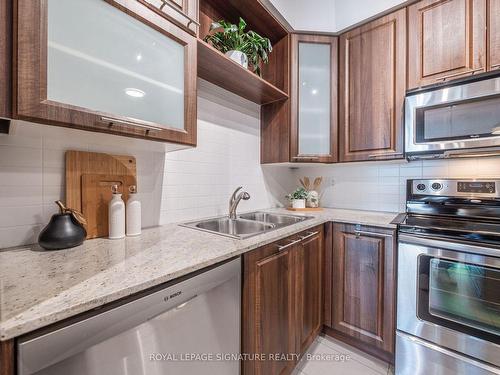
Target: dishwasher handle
(35, 354)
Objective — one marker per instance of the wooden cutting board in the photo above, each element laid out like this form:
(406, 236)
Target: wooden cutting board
(79, 163)
(96, 195)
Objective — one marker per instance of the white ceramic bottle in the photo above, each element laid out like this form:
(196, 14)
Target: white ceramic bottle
(116, 216)
(133, 213)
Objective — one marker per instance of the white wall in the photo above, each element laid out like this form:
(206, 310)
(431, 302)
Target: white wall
(176, 186)
(308, 15)
(350, 12)
(330, 15)
(381, 186)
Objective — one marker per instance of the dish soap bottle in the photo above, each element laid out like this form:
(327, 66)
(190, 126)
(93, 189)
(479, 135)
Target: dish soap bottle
(116, 215)
(133, 213)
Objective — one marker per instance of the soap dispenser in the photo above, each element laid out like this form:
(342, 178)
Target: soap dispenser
(116, 216)
(133, 213)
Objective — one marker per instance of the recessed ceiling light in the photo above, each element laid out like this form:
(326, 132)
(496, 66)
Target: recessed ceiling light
(314, 91)
(138, 57)
(135, 93)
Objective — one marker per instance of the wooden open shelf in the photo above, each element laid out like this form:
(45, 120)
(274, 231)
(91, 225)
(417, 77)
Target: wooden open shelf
(215, 67)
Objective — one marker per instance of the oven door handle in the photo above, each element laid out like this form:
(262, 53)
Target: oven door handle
(449, 245)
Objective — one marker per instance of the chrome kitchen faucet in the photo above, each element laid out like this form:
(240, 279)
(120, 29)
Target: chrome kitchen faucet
(235, 200)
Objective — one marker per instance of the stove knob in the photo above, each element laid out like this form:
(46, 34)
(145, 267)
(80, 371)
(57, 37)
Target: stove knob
(436, 186)
(420, 187)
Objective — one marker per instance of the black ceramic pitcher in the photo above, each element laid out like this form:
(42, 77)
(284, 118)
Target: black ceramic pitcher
(65, 230)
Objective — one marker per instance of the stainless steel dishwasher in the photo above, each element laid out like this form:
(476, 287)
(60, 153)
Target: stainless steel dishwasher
(191, 327)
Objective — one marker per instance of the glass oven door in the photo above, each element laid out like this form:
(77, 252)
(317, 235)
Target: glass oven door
(461, 296)
(449, 294)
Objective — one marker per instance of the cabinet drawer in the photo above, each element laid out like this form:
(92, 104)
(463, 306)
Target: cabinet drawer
(94, 79)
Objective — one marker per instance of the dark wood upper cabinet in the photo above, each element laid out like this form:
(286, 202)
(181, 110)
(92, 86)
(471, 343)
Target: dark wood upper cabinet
(446, 40)
(309, 289)
(493, 41)
(5, 59)
(183, 13)
(314, 105)
(372, 89)
(363, 288)
(91, 78)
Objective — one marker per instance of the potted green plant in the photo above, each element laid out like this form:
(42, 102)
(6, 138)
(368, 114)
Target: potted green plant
(240, 46)
(298, 198)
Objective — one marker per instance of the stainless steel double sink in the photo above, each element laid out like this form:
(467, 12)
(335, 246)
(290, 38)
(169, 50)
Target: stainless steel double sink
(246, 225)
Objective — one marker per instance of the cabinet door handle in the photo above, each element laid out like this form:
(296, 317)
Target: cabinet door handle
(471, 72)
(283, 247)
(385, 155)
(495, 66)
(309, 235)
(172, 6)
(109, 121)
(305, 158)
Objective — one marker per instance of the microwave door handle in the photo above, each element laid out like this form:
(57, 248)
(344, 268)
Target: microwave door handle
(491, 151)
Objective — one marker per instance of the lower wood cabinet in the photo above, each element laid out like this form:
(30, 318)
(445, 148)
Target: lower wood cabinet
(361, 290)
(282, 302)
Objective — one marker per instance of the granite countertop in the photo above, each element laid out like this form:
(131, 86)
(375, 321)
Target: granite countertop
(42, 287)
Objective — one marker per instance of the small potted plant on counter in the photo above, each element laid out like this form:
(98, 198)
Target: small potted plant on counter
(238, 45)
(298, 198)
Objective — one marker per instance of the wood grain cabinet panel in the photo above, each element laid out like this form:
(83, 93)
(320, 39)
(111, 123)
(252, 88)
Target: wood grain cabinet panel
(372, 89)
(143, 87)
(493, 41)
(363, 288)
(5, 59)
(269, 309)
(309, 290)
(282, 301)
(446, 40)
(183, 13)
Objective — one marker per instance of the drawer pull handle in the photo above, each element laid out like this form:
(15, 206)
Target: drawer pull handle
(171, 6)
(283, 247)
(309, 235)
(359, 233)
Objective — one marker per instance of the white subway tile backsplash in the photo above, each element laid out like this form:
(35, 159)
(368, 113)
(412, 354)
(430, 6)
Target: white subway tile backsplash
(173, 186)
(382, 185)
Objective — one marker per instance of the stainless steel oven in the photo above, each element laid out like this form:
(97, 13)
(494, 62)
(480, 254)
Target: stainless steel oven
(454, 120)
(448, 303)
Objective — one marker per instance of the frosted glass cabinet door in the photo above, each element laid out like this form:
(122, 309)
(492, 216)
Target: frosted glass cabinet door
(316, 82)
(129, 72)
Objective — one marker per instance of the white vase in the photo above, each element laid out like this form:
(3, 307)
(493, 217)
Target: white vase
(298, 203)
(116, 217)
(133, 215)
(238, 57)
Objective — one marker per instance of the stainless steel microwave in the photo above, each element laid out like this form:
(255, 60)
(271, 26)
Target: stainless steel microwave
(454, 120)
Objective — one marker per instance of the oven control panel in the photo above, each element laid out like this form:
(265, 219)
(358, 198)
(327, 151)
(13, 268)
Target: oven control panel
(456, 187)
(487, 187)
